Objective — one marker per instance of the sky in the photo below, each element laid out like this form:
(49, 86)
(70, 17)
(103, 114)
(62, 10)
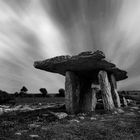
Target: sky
(32, 30)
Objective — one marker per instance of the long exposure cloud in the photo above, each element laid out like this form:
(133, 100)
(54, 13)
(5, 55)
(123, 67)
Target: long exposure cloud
(39, 29)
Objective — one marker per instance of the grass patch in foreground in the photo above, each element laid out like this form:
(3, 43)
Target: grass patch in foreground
(18, 126)
(106, 127)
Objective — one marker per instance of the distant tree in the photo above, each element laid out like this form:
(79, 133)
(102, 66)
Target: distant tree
(16, 94)
(23, 91)
(61, 92)
(44, 92)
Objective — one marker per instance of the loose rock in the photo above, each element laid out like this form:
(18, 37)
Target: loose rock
(120, 110)
(135, 107)
(81, 117)
(44, 128)
(34, 136)
(18, 133)
(61, 115)
(93, 118)
(34, 125)
(130, 114)
(74, 120)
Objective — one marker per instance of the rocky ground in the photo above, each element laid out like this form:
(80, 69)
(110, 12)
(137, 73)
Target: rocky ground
(51, 122)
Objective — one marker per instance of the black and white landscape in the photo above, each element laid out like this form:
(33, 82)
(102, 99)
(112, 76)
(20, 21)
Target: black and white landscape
(89, 51)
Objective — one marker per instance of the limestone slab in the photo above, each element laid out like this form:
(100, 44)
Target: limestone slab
(85, 63)
(106, 91)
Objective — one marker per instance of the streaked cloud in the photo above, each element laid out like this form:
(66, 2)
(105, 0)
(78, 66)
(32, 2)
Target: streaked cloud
(34, 30)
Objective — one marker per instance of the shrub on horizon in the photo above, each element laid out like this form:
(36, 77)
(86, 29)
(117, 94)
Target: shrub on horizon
(61, 92)
(5, 97)
(44, 92)
(16, 94)
(23, 91)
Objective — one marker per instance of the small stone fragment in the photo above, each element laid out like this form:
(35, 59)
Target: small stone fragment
(81, 117)
(34, 136)
(45, 115)
(102, 119)
(34, 125)
(130, 114)
(23, 131)
(122, 124)
(74, 120)
(93, 118)
(82, 114)
(120, 110)
(18, 133)
(61, 115)
(115, 112)
(135, 107)
(72, 115)
(40, 104)
(44, 128)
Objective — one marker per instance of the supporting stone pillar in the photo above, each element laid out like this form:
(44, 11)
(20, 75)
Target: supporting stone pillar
(106, 92)
(93, 99)
(89, 100)
(114, 92)
(85, 95)
(72, 92)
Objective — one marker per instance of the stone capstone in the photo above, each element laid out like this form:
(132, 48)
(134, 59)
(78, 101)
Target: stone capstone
(85, 64)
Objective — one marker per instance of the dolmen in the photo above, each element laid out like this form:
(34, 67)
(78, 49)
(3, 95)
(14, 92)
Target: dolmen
(82, 72)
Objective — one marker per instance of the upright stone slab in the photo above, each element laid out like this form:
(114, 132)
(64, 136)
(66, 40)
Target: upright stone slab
(93, 99)
(87, 97)
(124, 102)
(114, 92)
(106, 92)
(72, 91)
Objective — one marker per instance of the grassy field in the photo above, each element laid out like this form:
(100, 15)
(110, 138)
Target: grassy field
(37, 100)
(41, 125)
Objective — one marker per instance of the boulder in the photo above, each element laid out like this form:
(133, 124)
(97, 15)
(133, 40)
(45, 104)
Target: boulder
(61, 115)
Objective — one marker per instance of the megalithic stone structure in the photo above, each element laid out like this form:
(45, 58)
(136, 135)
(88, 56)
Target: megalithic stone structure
(81, 71)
